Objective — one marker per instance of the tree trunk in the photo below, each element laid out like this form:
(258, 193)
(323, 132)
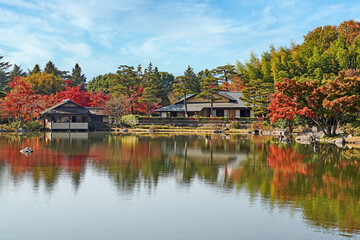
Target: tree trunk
(185, 106)
(149, 108)
(290, 127)
(211, 109)
(131, 105)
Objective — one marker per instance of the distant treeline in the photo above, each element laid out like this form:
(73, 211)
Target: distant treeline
(324, 52)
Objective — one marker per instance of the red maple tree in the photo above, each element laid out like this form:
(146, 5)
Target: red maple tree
(326, 105)
(79, 96)
(21, 102)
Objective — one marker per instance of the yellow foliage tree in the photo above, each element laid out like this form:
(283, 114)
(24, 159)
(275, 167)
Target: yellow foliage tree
(44, 83)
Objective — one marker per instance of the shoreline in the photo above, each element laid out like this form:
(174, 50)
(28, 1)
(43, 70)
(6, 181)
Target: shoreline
(338, 140)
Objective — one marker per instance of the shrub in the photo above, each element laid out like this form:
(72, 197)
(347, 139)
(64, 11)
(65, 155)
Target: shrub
(33, 126)
(262, 126)
(11, 127)
(236, 124)
(129, 119)
(203, 119)
(153, 127)
(281, 123)
(351, 129)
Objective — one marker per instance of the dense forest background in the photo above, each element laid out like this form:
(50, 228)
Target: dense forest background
(324, 52)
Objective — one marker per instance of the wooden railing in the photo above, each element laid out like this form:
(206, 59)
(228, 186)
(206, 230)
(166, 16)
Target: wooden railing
(182, 121)
(67, 125)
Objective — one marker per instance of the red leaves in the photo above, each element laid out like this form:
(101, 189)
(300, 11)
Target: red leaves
(23, 104)
(341, 95)
(142, 107)
(284, 107)
(235, 85)
(81, 97)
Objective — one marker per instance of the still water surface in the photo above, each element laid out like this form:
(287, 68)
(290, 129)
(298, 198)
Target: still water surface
(100, 186)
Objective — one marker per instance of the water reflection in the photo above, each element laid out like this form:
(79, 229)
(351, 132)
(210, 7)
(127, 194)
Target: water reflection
(321, 181)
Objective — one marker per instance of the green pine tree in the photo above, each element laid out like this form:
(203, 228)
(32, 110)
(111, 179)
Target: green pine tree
(256, 94)
(151, 86)
(125, 83)
(194, 80)
(36, 69)
(52, 69)
(77, 77)
(166, 82)
(15, 72)
(209, 89)
(4, 74)
(224, 73)
(101, 83)
(183, 86)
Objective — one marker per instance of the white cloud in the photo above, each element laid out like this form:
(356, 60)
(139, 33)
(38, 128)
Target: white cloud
(104, 34)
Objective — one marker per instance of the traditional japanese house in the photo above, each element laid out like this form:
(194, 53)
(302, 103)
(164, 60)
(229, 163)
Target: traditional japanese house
(69, 116)
(228, 104)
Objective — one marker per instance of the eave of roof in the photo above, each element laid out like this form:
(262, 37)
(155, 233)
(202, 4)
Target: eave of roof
(52, 110)
(98, 111)
(196, 107)
(233, 96)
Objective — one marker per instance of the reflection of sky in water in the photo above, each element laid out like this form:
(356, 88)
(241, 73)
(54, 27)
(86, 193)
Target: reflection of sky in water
(170, 188)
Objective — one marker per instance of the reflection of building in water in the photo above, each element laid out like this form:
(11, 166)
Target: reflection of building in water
(66, 135)
(207, 150)
(207, 155)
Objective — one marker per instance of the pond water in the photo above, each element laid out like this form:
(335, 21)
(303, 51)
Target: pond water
(103, 186)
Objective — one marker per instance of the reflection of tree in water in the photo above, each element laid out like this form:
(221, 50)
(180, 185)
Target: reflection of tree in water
(325, 184)
(202, 156)
(133, 163)
(322, 181)
(43, 165)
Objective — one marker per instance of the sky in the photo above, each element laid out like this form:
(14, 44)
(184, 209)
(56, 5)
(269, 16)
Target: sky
(101, 35)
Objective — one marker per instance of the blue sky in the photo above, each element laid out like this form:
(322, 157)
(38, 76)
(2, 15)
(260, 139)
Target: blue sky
(101, 35)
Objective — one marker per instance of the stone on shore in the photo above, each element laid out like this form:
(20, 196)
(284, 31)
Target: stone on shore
(304, 139)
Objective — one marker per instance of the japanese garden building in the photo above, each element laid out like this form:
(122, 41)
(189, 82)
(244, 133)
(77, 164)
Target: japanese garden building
(69, 116)
(228, 104)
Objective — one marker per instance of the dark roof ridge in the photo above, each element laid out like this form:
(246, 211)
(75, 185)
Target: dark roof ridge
(60, 104)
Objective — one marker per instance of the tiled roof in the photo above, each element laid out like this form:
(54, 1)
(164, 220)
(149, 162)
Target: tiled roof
(58, 110)
(98, 111)
(234, 102)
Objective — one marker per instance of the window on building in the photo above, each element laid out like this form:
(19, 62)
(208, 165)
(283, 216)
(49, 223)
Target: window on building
(245, 113)
(220, 113)
(96, 118)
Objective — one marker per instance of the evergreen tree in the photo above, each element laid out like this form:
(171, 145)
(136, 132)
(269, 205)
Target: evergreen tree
(15, 72)
(125, 83)
(166, 82)
(324, 52)
(101, 83)
(224, 74)
(151, 86)
(256, 94)
(209, 89)
(4, 74)
(36, 69)
(77, 77)
(194, 80)
(50, 68)
(183, 86)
